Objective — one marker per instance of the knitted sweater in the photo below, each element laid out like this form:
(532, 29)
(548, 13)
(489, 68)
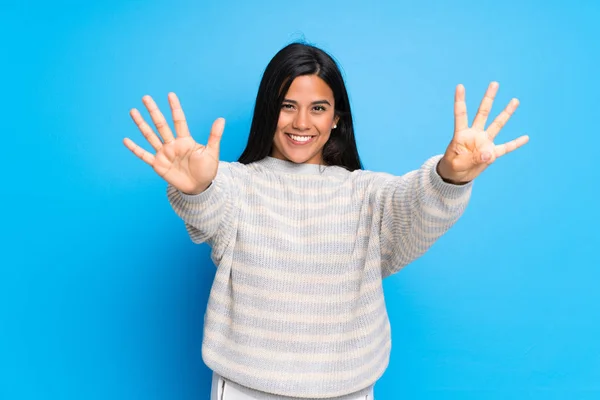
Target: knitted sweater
(296, 309)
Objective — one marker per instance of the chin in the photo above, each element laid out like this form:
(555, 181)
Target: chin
(287, 149)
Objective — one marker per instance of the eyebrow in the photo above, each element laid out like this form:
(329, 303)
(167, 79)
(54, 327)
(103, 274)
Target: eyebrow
(313, 103)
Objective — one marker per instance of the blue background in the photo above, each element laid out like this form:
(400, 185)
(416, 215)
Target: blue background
(101, 291)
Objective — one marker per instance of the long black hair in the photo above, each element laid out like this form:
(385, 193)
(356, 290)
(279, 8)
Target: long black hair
(294, 60)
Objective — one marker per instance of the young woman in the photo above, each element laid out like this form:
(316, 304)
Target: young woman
(302, 236)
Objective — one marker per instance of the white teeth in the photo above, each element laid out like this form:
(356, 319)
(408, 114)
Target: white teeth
(301, 138)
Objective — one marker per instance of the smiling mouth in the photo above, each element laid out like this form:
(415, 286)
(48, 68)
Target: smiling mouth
(300, 139)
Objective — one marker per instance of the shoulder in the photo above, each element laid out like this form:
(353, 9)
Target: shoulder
(371, 179)
(232, 168)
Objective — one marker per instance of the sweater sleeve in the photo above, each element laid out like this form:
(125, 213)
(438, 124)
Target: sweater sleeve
(416, 209)
(208, 216)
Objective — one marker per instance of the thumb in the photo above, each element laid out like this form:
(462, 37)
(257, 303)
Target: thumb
(484, 156)
(216, 132)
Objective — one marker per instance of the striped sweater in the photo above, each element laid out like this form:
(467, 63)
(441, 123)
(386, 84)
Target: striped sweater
(296, 309)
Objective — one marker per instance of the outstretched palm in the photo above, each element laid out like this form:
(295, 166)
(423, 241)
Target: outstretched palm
(179, 160)
(472, 149)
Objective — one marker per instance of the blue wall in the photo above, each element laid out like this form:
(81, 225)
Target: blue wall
(101, 292)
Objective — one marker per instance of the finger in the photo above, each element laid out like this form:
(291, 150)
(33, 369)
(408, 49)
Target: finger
(501, 120)
(486, 106)
(216, 132)
(144, 155)
(159, 120)
(507, 147)
(145, 129)
(181, 127)
(460, 109)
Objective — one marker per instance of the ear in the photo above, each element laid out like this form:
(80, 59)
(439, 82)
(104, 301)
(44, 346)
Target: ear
(335, 121)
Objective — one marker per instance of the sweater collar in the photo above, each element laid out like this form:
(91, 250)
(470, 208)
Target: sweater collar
(290, 167)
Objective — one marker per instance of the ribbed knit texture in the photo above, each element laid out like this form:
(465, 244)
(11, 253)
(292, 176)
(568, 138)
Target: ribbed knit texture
(297, 306)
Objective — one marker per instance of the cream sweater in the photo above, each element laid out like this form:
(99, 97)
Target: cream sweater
(297, 306)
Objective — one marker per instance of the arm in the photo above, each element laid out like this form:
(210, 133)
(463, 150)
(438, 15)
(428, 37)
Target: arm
(207, 215)
(199, 186)
(419, 207)
(416, 209)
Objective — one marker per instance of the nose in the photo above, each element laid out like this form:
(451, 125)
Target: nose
(301, 121)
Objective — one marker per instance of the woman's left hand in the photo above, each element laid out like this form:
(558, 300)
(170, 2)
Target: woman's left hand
(472, 149)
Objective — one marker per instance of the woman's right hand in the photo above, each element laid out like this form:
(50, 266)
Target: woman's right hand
(179, 160)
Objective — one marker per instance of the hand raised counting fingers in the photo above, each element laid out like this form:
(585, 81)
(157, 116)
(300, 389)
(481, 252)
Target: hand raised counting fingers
(477, 130)
(472, 148)
(181, 161)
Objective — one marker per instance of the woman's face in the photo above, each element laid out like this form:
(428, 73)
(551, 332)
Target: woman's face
(306, 118)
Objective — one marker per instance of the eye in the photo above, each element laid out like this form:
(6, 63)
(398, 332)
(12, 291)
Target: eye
(287, 106)
(319, 108)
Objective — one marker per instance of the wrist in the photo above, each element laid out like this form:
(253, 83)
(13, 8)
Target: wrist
(442, 170)
(197, 191)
